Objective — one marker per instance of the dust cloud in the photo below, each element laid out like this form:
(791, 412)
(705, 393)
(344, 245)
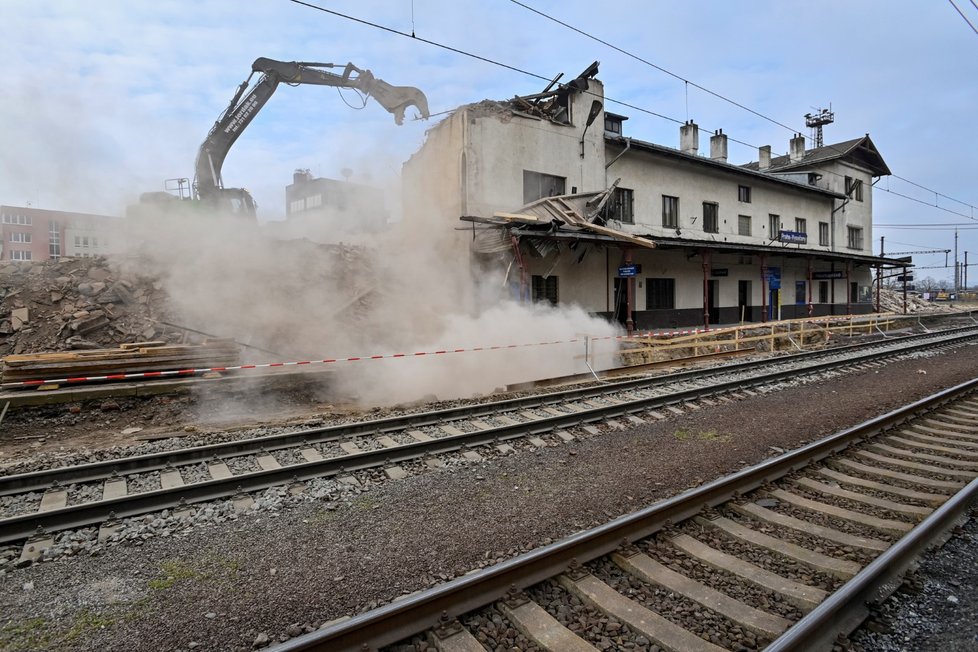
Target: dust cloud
(320, 288)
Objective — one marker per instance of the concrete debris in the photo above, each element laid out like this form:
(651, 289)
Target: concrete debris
(77, 304)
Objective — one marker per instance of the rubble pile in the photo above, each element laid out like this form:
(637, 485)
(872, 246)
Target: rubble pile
(78, 303)
(892, 301)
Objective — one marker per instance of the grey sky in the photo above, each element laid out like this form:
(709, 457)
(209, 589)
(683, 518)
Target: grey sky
(103, 100)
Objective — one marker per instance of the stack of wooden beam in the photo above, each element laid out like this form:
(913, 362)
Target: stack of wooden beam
(128, 358)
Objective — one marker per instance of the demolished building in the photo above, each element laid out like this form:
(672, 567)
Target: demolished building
(569, 210)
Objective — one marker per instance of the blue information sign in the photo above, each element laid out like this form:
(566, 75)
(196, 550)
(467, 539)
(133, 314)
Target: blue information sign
(774, 278)
(628, 270)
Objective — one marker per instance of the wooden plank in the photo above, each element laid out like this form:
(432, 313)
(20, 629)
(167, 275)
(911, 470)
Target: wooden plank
(914, 466)
(838, 492)
(841, 513)
(897, 475)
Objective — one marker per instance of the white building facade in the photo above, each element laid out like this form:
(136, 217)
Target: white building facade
(682, 239)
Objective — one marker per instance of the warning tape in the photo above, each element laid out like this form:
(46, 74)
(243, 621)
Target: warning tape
(270, 365)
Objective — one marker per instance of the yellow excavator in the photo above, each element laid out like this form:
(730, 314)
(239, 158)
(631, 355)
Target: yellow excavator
(208, 187)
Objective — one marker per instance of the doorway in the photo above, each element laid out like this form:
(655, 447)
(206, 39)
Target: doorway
(743, 301)
(713, 301)
(621, 301)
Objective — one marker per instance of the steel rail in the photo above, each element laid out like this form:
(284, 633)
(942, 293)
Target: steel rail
(23, 526)
(845, 609)
(406, 617)
(96, 471)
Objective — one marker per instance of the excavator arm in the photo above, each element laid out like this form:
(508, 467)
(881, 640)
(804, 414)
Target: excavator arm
(245, 105)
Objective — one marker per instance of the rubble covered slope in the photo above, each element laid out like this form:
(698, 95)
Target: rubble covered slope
(78, 303)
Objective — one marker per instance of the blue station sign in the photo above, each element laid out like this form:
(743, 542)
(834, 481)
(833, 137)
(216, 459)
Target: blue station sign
(794, 237)
(629, 270)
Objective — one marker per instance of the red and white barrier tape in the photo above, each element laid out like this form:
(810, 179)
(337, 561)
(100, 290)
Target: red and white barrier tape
(269, 365)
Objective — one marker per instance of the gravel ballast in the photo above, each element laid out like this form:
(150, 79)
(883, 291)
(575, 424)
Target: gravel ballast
(266, 575)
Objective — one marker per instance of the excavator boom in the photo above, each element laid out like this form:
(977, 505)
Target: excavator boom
(245, 105)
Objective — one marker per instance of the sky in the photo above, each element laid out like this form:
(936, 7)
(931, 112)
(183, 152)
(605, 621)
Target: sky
(105, 100)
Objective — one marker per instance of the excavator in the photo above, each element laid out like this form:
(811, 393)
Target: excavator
(208, 186)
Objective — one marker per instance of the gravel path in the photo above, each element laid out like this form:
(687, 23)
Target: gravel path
(268, 575)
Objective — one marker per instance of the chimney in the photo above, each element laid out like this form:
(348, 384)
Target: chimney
(689, 138)
(301, 176)
(718, 146)
(764, 157)
(797, 148)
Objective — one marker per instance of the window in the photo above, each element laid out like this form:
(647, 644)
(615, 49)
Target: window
(22, 220)
(854, 188)
(297, 205)
(670, 212)
(855, 237)
(743, 194)
(54, 240)
(621, 206)
(801, 225)
(314, 200)
(660, 293)
(84, 240)
(77, 240)
(773, 226)
(823, 291)
(823, 234)
(544, 289)
(743, 225)
(94, 242)
(711, 221)
(17, 236)
(612, 123)
(20, 255)
(537, 185)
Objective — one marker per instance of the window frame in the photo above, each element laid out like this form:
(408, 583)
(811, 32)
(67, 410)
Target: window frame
(672, 212)
(744, 194)
(774, 225)
(621, 206)
(545, 289)
(854, 237)
(538, 181)
(714, 207)
(823, 234)
(740, 225)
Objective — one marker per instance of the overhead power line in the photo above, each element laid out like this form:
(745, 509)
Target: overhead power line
(970, 24)
(494, 62)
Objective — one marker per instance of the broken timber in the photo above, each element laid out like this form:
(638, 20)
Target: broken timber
(128, 358)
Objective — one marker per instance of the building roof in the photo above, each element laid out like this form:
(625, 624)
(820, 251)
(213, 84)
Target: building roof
(859, 151)
(739, 170)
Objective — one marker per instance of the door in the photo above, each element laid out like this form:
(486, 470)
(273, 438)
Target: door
(743, 300)
(774, 304)
(713, 301)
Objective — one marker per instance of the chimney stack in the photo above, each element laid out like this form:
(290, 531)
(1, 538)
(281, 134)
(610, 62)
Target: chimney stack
(764, 157)
(689, 138)
(718, 146)
(797, 148)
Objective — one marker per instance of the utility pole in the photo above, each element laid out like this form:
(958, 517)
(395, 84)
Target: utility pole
(957, 270)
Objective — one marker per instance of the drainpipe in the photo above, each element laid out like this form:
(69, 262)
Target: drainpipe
(811, 308)
(848, 289)
(763, 289)
(706, 289)
(630, 285)
(628, 146)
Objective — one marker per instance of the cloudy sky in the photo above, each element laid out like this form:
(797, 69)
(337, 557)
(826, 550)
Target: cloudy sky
(104, 100)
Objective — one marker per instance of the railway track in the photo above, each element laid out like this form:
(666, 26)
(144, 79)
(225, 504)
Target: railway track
(785, 555)
(37, 505)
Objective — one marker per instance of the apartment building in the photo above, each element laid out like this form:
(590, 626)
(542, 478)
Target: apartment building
(39, 234)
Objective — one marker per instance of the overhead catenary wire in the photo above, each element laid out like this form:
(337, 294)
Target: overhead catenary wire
(961, 13)
(494, 62)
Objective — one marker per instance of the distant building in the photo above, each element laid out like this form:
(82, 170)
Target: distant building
(39, 234)
(341, 205)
